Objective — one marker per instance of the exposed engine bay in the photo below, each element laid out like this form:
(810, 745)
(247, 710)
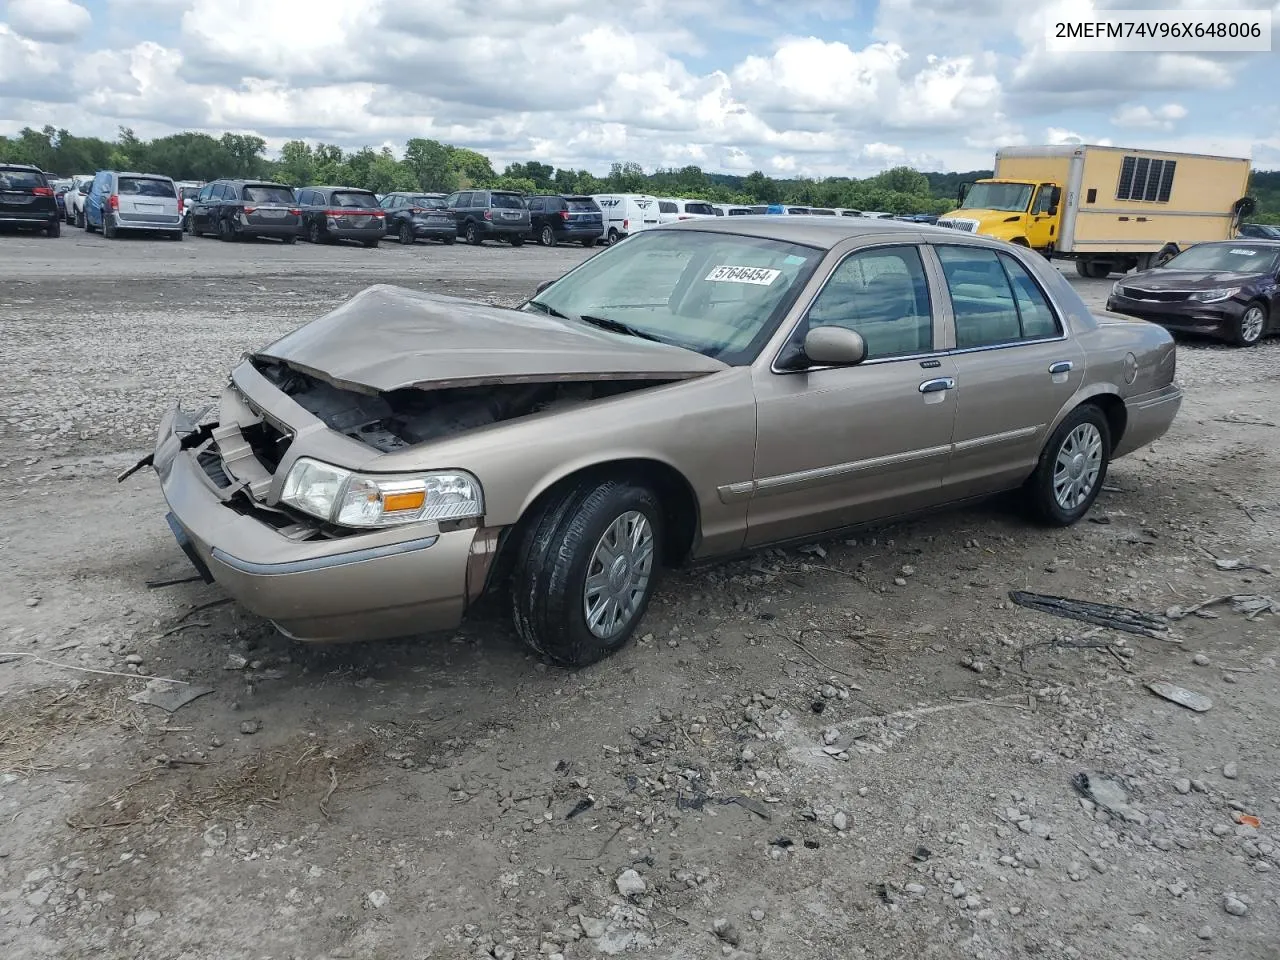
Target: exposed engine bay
(398, 419)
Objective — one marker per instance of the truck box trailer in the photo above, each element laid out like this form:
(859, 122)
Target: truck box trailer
(1110, 209)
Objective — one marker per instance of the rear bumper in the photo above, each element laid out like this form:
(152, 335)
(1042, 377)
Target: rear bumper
(491, 229)
(386, 583)
(573, 231)
(358, 233)
(269, 230)
(37, 218)
(165, 224)
(1148, 418)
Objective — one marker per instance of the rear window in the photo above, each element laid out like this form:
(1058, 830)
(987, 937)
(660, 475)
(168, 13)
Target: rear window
(365, 201)
(265, 193)
(666, 206)
(581, 205)
(21, 179)
(146, 187)
(190, 193)
(703, 208)
(508, 201)
(430, 203)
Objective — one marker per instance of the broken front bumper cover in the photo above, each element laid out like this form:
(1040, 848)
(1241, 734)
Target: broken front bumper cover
(385, 583)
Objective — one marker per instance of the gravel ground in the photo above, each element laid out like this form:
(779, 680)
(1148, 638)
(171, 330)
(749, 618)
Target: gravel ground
(861, 749)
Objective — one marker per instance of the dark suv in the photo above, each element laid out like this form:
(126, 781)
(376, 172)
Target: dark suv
(553, 218)
(27, 200)
(419, 216)
(241, 209)
(341, 213)
(489, 214)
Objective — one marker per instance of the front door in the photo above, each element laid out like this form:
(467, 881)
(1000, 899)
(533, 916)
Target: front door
(841, 446)
(1015, 369)
(1042, 226)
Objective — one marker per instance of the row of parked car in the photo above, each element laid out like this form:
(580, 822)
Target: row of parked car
(112, 201)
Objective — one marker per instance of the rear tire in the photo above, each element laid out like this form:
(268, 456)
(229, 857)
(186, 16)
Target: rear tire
(450, 241)
(81, 222)
(516, 241)
(224, 231)
(53, 230)
(370, 244)
(614, 236)
(109, 228)
(290, 239)
(473, 235)
(1072, 468)
(406, 234)
(547, 237)
(589, 243)
(609, 532)
(313, 232)
(176, 235)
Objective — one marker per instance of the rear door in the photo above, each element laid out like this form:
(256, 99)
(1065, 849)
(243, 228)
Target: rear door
(270, 205)
(508, 209)
(25, 195)
(1015, 367)
(147, 200)
(355, 209)
(584, 214)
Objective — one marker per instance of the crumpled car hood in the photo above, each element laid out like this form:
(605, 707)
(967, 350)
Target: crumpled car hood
(389, 338)
(1163, 279)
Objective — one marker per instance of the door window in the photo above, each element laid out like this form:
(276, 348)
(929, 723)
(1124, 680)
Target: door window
(883, 295)
(1043, 200)
(536, 205)
(987, 310)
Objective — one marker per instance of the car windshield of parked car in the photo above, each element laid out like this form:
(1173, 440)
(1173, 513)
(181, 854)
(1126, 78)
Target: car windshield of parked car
(146, 187)
(508, 201)
(718, 294)
(1006, 197)
(364, 201)
(20, 180)
(1226, 257)
(264, 193)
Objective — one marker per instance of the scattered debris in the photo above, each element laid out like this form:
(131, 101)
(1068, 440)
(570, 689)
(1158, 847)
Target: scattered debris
(1233, 905)
(1230, 770)
(630, 884)
(1107, 794)
(1123, 619)
(377, 899)
(1180, 695)
(163, 694)
(250, 727)
(727, 932)
(582, 806)
(752, 804)
(1249, 604)
(1241, 565)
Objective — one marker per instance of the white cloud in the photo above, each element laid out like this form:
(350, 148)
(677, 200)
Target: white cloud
(27, 68)
(1143, 117)
(51, 21)
(1059, 136)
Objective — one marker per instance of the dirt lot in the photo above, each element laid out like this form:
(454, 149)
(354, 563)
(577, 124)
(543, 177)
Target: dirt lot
(452, 797)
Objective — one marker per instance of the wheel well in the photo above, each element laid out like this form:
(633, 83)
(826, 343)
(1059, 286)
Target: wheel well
(680, 508)
(1020, 241)
(1113, 409)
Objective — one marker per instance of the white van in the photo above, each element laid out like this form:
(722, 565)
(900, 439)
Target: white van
(671, 209)
(625, 214)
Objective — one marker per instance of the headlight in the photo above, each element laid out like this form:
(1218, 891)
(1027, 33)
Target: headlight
(380, 500)
(1117, 288)
(1213, 296)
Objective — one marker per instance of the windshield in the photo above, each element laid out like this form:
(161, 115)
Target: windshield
(265, 193)
(1226, 257)
(508, 201)
(366, 201)
(718, 294)
(143, 187)
(1006, 197)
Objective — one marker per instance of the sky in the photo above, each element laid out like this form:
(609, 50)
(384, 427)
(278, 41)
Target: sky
(790, 87)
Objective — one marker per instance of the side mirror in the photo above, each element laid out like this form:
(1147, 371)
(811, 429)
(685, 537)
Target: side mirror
(834, 347)
(543, 285)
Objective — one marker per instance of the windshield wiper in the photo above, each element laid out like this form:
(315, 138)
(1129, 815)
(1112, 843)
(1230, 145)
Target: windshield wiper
(552, 311)
(617, 326)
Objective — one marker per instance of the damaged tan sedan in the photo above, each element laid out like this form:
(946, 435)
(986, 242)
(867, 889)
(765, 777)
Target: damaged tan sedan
(696, 391)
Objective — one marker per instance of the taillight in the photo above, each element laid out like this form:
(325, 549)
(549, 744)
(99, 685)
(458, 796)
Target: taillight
(43, 191)
(295, 212)
(564, 214)
(249, 210)
(377, 213)
(626, 224)
(113, 202)
(488, 214)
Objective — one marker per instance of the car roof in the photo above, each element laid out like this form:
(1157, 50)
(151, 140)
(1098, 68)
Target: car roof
(826, 232)
(21, 166)
(141, 176)
(343, 189)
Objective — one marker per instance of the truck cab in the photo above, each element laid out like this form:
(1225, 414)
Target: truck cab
(1025, 212)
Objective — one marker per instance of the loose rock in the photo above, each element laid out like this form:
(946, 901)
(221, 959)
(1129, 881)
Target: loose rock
(1234, 905)
(630, 884)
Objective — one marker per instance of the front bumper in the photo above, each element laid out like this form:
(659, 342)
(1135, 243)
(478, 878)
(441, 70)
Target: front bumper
(385, 583)
(1215, 319)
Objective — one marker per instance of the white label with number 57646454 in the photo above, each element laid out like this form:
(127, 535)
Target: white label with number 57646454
(762, 276)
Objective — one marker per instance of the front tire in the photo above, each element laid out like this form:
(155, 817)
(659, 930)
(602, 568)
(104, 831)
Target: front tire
(1072, 468)
(1249, 329)
(586, 570)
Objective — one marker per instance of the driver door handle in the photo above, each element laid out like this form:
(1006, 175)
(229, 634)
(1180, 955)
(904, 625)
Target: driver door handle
(1062, 366)
(937, 385)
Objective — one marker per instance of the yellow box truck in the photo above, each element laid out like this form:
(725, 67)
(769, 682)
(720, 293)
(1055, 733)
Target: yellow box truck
(1110, 209)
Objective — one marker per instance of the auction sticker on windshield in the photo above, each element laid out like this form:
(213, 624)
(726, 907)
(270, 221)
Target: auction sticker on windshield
(1244, 253)
(763, 276)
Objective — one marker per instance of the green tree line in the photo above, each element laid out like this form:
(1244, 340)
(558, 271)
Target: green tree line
(439, 167)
